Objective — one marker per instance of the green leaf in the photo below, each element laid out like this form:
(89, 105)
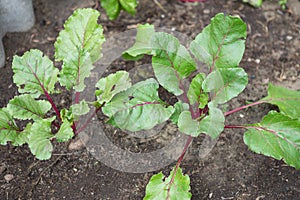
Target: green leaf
(278, 136)
(8, 127)
(255, 3)
(79, 109)
(112, 8)
(138, 108)
(178, 189)
(65, 132)
(179, 108)
(142, 43)
(171, 62)
(222, 43)
(213, 124)
(39, 139)
(225, 84)
(79, 46)
(187, 125)
(26, 107)
(195, 92)
(34, 73)
(22, 137)
(112, 85)
(287, 100)
(129, 6)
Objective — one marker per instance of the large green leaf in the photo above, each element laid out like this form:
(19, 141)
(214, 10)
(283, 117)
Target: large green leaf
(176, 189)
(171, 62)
(213, 124)
(287, 100)
(137, 108)
(79, 46)
(34, 73)
(142, 43)
(112, 8)
(112, 85)
(222, 43)
(225, 84)
(8, 127)
(129, 6)
(39, 139)
(26, 107)
(196, 93)
(278, 136)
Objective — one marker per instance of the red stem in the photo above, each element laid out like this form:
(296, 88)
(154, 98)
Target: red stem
(87, 122)
(52, 103)
(243, 107)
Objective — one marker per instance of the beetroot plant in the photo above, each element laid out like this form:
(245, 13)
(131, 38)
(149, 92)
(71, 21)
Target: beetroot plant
(138, 106)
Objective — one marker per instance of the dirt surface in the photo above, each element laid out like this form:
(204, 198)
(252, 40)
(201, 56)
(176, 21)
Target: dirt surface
(230, 171)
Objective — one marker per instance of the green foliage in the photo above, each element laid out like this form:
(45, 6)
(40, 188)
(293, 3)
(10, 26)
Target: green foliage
(278, 136)
(114, 7)
(79, 46)
(258, 3)
(174, 187)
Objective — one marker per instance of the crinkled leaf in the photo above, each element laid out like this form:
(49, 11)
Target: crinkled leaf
(138, 108)
(8, 127)
(67, 115)
(129, 6)
(179, 108)
(39, 139)
(112, 8)
(79, 46)
(171, 62)
(225, 84)
(142, 43)
(222, 43)
(34, 73)
(65, 132)
(196, 93)
(187, 125)
(278, 136)
(26, 107)
(213, 124)
(287, 100)
(158, 188)
(111, 85)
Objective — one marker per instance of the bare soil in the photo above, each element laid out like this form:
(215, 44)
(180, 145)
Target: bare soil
(230, 171)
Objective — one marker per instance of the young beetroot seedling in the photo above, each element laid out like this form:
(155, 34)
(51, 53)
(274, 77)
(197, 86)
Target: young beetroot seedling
(138, 106)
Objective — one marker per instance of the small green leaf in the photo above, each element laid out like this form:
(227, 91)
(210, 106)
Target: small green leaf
(171, 62)
(195, 93)
(66, 115)
(79, 109)
(213, 124)
(112, 8)
(178, 189)
(187, 125)
(34, 73)
(22, 137)
(39, 139)
(255, 3)
(138, 108)
(79, 46)
(142, 43)
(112, 85)
(287, 100)
(65, 132)
(179, 108)
(278, 136)
(225, 83)
(8, 127)
(222, 43)
(26, 107)
(129, 6)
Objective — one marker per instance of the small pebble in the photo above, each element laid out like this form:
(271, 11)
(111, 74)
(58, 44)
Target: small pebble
(289, 37)
(257, 61)
(242, 116)
(8, 177)
(210, 195)
(162, 16)
(206, 11)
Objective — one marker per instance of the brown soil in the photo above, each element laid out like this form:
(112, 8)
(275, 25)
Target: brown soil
(230, 171)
